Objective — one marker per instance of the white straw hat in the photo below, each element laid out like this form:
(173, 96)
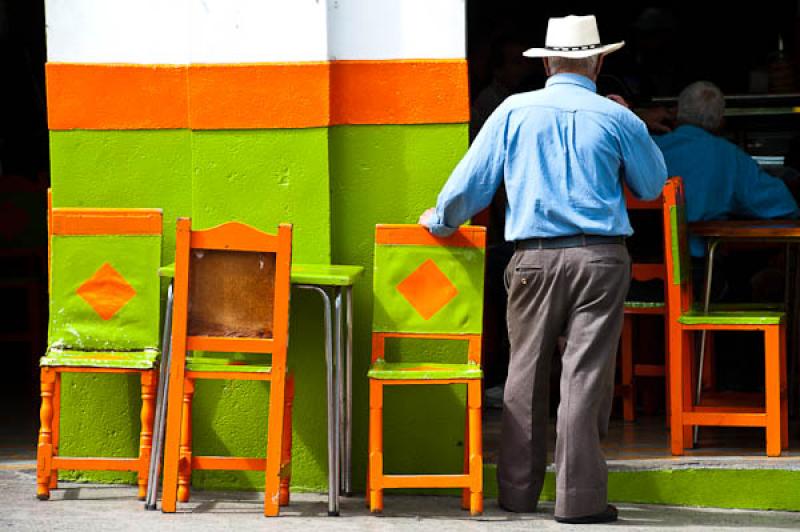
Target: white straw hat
(574, 37)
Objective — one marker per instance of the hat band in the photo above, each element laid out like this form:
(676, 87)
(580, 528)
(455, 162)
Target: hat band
(572, 48)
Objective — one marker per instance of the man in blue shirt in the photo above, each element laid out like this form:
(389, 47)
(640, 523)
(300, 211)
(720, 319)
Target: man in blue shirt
(563, 153)
(720, 180)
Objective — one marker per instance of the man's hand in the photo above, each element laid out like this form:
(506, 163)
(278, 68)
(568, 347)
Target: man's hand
(619, 99)
(657, 119)
(427, 217)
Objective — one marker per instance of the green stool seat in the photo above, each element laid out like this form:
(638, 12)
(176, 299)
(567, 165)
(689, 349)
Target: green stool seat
(731, 317)
(423, 371)
(146, 359)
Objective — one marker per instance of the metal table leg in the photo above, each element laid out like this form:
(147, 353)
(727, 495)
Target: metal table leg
(339, 390)
(711, 250)
(348, 413)
(161, 408)
(333, 452)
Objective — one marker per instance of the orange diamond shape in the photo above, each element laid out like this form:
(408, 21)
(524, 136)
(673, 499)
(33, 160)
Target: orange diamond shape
(106, 291)
(427, 289)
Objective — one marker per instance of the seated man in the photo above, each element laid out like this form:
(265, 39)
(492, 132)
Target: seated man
(721, 181)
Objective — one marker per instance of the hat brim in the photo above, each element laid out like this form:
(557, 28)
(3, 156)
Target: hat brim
(574, 54)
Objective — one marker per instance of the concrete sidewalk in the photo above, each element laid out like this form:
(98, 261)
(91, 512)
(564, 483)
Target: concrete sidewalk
(84, 507)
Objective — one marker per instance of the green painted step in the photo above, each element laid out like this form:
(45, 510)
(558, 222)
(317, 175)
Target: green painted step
(146, 359)
(420, 370)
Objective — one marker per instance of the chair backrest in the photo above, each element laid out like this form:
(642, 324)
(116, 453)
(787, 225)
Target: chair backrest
(428, 287)
(104, 284)
(645, 271)
(232, 289)
(676, 247)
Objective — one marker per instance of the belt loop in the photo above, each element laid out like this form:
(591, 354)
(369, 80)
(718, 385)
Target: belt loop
(540, 240)
(583, 239)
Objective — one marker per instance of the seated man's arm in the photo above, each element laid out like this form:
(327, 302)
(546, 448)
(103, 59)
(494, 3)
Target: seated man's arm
(642, 161)
(474, 181)
(758, 194)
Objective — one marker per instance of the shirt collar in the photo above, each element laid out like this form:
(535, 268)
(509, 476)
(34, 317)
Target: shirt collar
(569, 78)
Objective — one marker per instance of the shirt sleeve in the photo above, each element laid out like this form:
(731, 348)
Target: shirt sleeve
(643, 164)
(476, 178)
(758, 194)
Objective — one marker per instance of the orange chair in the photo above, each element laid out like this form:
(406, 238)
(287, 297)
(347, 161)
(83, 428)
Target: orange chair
(231, 296)
(104, 319)
(427, 287)
(629, 368)
(684, 319)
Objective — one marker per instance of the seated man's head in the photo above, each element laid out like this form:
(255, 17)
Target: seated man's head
(701, 104)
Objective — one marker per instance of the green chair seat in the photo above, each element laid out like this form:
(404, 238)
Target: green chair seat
(732, 317)
(423, 371)
(644, 304)
(146, 359)
(205, 363)
(316, 274)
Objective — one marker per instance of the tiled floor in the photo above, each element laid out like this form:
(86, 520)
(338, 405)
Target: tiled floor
(647, 440)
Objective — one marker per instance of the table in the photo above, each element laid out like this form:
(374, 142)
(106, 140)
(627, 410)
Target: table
(762, 231)
(327, 280)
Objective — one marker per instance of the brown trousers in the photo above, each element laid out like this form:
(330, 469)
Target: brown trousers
(579, 293)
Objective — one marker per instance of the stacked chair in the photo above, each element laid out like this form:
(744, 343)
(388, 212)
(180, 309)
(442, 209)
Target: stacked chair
(429, 288)
(231, 291)
(104, 319)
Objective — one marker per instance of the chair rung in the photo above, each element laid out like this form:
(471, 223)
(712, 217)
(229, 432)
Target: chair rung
(96, 464)
(717, 419)
(426, 481)
(229, 375)
(228, 463)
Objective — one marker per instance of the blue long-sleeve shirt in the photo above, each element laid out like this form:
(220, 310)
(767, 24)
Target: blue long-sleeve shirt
(720, 180)
(563, 152)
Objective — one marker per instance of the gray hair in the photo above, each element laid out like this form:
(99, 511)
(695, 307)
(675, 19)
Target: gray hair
(585, 65)
(701, 104)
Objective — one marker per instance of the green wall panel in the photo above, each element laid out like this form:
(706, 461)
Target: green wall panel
(264, 177)
(390, 174)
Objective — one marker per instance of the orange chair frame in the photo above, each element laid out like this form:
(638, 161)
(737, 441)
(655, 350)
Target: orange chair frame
(178, 459)
(471, 481)
(630, 370)
(684, 414)
(89, 222)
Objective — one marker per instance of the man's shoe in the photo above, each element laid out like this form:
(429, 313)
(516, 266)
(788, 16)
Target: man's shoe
(609, 515)
(515, 509)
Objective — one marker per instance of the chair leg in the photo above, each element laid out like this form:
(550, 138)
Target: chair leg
(185, 466)
(465, 493)
(676, 379)
(475, 447)
(149, 381)
(286, 455)
(56, 427)
(628, 390)
(772, 389)
(375, 446)
(275, 431)
(45, 445)
(688, 385)
(784, 392)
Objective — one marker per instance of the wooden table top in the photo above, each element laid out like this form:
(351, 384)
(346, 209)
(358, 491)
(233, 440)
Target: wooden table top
(750, 229)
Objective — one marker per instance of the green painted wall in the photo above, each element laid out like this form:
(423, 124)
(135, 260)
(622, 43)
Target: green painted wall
(259, 177)
(390, 174)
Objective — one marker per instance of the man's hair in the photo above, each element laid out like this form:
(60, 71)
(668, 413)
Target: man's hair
(586, 65)
(701, 104)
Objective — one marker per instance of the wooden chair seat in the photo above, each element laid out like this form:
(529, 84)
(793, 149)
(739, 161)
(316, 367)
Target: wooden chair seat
(145, 359)
(423, 371)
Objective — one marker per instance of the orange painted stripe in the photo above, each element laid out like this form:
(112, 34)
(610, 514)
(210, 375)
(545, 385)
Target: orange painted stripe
(69, 221)
(417, 235)
(399, 92)
(257, 96)
(85, 96)
(275, 95)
